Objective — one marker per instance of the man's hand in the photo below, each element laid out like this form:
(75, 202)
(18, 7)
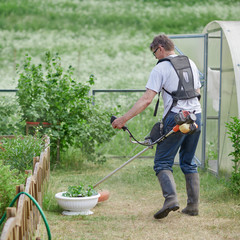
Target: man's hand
(119, 123)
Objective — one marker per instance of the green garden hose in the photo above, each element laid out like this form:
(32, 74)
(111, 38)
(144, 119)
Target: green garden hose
(37, 205)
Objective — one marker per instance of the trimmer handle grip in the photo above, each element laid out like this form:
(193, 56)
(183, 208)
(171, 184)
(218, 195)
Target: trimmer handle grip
(113, 118)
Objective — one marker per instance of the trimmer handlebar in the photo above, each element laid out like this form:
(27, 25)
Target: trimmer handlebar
(124, 128)
(185, 124)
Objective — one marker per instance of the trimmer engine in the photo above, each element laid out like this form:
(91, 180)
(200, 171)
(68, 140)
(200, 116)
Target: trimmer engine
(186, 121)
(185, 117)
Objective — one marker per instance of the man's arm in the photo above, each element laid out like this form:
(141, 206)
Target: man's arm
(138, 107)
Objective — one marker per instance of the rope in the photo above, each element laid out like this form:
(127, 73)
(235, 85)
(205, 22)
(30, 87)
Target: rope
(37, 205)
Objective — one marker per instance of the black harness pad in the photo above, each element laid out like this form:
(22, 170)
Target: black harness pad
(185, 88)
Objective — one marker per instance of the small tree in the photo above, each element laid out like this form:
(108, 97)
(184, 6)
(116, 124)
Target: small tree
(48, 93)
(234, 134)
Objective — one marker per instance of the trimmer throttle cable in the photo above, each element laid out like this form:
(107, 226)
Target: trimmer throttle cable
(147, 141)
(185, 123)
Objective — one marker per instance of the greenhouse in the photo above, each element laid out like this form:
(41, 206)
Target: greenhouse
(217, 55)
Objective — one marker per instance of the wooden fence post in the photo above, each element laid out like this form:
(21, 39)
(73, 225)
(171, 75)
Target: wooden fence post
(11, 212)
(35, 160)
(19, 188)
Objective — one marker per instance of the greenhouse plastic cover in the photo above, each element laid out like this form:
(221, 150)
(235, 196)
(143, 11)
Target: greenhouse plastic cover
(231, 31)
(223, 88)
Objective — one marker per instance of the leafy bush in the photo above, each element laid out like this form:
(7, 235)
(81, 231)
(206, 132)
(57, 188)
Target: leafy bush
(9, 179)
(10, 121)
(18, 152)
(80, 191)
(47, 93)
(234, 134)
(93, 133)
(89, 143)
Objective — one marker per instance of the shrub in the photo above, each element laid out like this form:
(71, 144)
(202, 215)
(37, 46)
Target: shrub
(48, 93)
(11, 118)
(9, 179)
(93, 133)
(234, 134)
(18, 152)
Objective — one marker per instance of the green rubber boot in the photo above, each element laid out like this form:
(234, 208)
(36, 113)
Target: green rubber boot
(192, 186)
(168, 186)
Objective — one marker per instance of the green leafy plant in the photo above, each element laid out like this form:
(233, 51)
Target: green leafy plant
(11, 117)
(48, 93)
(96, 131)
(234, 134)
(31, 90)
(80, 191)
(212, 150)
(9, 178)
(18, 152)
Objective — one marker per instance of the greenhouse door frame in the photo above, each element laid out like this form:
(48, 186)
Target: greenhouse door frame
(204, 81)
(215, 170)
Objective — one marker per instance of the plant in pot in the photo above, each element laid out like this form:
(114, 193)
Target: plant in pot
(78, 200)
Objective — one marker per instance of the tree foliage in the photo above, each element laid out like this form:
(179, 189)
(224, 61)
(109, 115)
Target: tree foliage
(234, 134)
(48, 93)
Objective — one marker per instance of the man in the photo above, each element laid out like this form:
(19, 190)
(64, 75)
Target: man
(164, 78)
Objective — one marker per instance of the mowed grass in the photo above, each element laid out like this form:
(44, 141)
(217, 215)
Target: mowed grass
(135, 195)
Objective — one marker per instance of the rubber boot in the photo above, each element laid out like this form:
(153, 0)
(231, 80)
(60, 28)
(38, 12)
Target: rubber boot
(192, 186)
(168, 186)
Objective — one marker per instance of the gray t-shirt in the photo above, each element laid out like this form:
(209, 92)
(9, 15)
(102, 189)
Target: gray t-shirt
(163, 75)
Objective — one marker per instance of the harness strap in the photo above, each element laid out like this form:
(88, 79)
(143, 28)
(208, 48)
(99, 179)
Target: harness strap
(156, 106)
(185, 89)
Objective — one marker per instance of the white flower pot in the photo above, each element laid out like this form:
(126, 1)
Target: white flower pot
(77, 205)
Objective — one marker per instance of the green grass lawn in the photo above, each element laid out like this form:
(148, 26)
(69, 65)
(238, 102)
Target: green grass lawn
(135, 195)
(109, 39)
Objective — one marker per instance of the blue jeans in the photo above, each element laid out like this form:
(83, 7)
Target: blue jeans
(168, 148)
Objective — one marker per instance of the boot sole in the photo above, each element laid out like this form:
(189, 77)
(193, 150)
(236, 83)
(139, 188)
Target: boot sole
(162, 214)
(190, 213)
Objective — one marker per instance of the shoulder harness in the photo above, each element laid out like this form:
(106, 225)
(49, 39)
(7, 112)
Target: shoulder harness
(185, 88)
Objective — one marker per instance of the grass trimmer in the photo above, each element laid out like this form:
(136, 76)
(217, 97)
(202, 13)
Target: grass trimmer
(185, 123)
